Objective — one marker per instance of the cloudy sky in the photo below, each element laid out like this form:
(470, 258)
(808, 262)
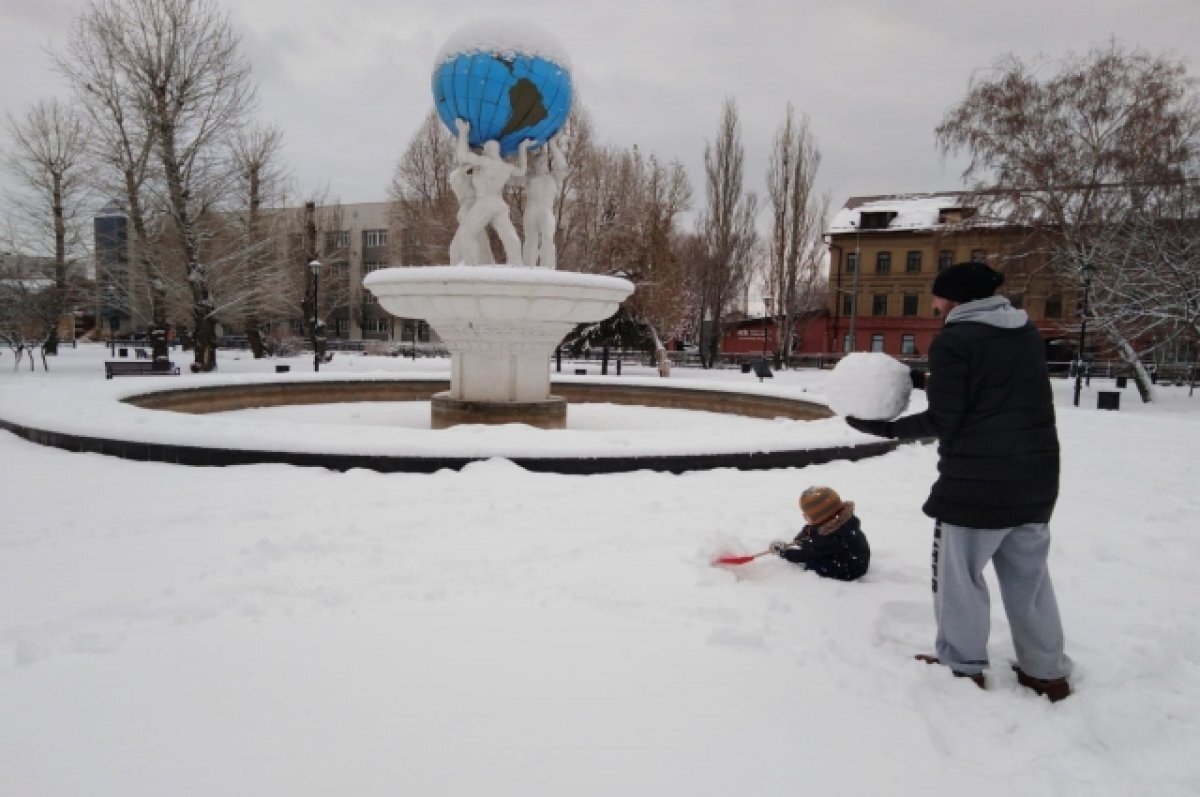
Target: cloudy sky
(348, 80)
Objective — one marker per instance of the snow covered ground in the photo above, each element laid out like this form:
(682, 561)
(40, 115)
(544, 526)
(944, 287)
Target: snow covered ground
(271, 630)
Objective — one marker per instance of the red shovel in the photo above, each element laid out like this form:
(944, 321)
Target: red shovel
(740, 560)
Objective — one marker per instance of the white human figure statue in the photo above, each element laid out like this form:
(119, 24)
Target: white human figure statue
(541, 189)
(489, 173)
(464, 190)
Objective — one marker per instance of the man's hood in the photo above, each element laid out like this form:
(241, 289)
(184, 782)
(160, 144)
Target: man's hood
(994, 311)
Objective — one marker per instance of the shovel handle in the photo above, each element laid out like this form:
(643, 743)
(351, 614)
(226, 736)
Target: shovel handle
(741, 560)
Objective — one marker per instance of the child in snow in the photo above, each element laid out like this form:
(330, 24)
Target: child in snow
(832, 543)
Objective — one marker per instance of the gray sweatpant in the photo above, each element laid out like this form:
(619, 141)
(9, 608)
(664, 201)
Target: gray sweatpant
(962, 606)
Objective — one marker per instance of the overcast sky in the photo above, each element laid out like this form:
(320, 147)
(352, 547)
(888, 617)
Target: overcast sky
(348, 80)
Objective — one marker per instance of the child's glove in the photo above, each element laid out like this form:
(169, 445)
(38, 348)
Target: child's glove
(778, 547)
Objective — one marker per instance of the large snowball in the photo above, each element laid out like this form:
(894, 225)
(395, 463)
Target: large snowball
(869, 385)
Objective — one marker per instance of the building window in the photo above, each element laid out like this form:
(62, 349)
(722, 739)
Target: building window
(847, 305)
(910, 304)
(908, 344)
(879, 304)
(369, 267)
(1054, 306)
(883, 262)
(945, 259)
(847, 343)
(877, 342)
(852, 262)
(1015, 265)
(876, 220)
(375, 238)
(377, 325)
(913, 262)
(337, 240)
(978, 256)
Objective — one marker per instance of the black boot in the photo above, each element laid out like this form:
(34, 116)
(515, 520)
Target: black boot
(977, 678)
(1054, 689)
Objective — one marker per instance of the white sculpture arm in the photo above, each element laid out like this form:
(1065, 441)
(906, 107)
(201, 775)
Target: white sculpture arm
(463, 153)
(558, 158)
(522, 158)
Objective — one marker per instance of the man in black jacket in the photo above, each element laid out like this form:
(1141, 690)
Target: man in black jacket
(991, 409)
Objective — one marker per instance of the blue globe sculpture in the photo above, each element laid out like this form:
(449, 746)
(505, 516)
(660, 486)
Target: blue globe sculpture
(507, 96)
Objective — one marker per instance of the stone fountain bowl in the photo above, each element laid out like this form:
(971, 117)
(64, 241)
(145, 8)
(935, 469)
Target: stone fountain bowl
(497, 294)
(500, 324)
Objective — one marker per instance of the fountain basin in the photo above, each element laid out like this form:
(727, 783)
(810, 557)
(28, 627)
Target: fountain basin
(500, 324)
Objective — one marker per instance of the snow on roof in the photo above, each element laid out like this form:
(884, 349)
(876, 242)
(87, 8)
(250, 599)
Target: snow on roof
(504, 37)
(912, 211)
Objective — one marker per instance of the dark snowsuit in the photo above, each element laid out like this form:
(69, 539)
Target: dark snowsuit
(842, 553)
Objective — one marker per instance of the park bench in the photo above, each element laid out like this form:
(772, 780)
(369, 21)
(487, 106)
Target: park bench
(139, 368)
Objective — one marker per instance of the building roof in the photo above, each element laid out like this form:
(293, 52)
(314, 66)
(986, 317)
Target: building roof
(906, 212)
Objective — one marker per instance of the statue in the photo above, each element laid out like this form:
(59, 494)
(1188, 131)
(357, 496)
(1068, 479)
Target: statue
(541, 189)
(489, 173)
(464, 191)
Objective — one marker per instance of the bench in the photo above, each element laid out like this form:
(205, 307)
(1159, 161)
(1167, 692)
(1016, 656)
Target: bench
(139, 368)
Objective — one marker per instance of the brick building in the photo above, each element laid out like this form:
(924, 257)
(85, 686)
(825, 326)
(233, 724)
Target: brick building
(885, 252)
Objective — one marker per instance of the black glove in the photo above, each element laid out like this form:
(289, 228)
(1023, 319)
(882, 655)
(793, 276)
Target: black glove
(877, 428)
(778, 546)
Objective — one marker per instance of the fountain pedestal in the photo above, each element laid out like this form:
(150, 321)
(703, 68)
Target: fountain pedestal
(501, 325)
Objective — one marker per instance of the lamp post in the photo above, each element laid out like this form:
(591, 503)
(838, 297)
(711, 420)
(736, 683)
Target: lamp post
(831, 344)
(766, 327)
(314, 268)
(852, 342)
(158, 336)
(1083, 314)
(114, 320)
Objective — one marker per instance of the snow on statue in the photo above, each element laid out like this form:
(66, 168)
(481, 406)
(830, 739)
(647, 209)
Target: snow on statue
(869, 385)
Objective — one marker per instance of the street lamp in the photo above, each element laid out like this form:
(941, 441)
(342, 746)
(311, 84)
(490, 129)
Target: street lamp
(1083, 314)
(766, 316)
(114, 319)
(852, 342)
(158, 336)
(314, 267)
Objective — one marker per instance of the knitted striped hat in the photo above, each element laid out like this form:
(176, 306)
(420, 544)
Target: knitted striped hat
(819, 504)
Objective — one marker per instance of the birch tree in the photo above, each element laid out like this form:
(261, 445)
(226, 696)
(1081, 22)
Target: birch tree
(797, 222)
(424, 206)
(122, 148)
(255, 154)
(178, 64)
(727, 229)
(47, 159)
(1076, 151)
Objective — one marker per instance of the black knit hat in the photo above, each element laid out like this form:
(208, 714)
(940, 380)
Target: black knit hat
(965, 282)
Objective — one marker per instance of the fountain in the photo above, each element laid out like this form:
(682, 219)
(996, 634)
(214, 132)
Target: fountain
(511, 89)
(502, 90)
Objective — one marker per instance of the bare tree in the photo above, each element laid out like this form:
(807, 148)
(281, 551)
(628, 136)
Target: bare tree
(47, 158)
(255, 155)
(122, 146)
(1075, 151)
(797, 223)
(661, 302)
(178, 64)
(727, 229)
(423, 204)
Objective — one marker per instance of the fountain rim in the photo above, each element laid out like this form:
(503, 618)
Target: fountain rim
(578, 391)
